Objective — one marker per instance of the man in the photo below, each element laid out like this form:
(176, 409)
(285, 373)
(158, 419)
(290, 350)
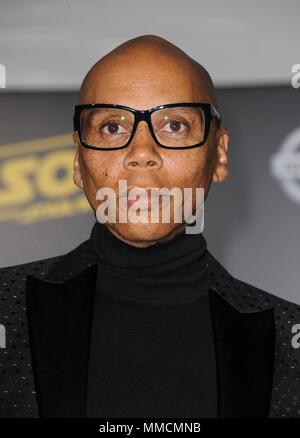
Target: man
(140, 320)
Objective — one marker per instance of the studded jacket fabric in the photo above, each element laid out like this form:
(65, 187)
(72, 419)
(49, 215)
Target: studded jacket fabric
(45, 316)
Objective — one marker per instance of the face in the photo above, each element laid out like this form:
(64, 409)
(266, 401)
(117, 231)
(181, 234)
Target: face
(134, 81)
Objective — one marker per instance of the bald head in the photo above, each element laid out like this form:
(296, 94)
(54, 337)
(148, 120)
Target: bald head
(147, 57)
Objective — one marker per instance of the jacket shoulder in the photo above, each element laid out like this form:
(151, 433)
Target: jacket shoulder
(43, 268)
(13, 281)
(243, 295)
(36, 267)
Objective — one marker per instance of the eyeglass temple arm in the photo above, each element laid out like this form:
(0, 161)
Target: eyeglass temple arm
(74, 109)
(215, 112)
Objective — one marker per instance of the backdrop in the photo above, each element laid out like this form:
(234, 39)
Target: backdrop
(251, 220)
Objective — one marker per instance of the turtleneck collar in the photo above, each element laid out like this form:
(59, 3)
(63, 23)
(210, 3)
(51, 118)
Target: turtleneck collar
(175, 270)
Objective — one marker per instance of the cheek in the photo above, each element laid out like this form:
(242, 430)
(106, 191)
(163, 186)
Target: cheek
(189, 170)
(95, 170)
(95, 175)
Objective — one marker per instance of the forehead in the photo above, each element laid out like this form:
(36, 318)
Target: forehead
(143, 83)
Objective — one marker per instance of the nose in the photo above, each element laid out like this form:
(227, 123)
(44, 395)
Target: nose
(143, 151)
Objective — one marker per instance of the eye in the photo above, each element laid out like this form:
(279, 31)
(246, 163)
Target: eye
(175, 126)
(112, 128)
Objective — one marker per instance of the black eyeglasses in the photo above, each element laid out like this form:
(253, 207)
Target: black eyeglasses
(172, 126)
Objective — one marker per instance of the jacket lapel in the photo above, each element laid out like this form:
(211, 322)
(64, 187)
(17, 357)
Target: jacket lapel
(244, 345)
(59, 322)
(59, 310)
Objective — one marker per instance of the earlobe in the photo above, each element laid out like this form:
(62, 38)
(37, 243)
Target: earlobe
(76, 138)
(221, 170)
(76, 171)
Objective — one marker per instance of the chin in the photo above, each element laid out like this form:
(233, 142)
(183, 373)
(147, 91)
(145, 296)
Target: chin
(140, 234)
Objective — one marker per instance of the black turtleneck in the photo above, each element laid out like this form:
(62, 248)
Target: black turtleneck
(152, 348)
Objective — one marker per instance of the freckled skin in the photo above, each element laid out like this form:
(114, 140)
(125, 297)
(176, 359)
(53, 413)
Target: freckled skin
(142, 73)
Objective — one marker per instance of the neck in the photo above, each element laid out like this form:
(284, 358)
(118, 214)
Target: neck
(175, 270)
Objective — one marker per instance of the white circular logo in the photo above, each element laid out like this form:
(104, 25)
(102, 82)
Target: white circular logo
(285, 165)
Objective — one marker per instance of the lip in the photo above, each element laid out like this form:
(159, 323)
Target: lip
(152, 197)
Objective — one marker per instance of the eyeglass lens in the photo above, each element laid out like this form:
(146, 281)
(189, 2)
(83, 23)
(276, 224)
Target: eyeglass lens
(111, 127)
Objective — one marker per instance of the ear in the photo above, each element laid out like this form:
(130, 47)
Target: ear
(221, 170)
(76, 164)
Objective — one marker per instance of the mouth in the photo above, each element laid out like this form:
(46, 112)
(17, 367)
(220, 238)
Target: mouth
(150, 197)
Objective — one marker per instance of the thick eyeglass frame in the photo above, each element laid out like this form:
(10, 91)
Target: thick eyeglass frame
(210, 112)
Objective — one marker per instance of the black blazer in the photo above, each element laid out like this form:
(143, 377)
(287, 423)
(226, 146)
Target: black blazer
(46, 309)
